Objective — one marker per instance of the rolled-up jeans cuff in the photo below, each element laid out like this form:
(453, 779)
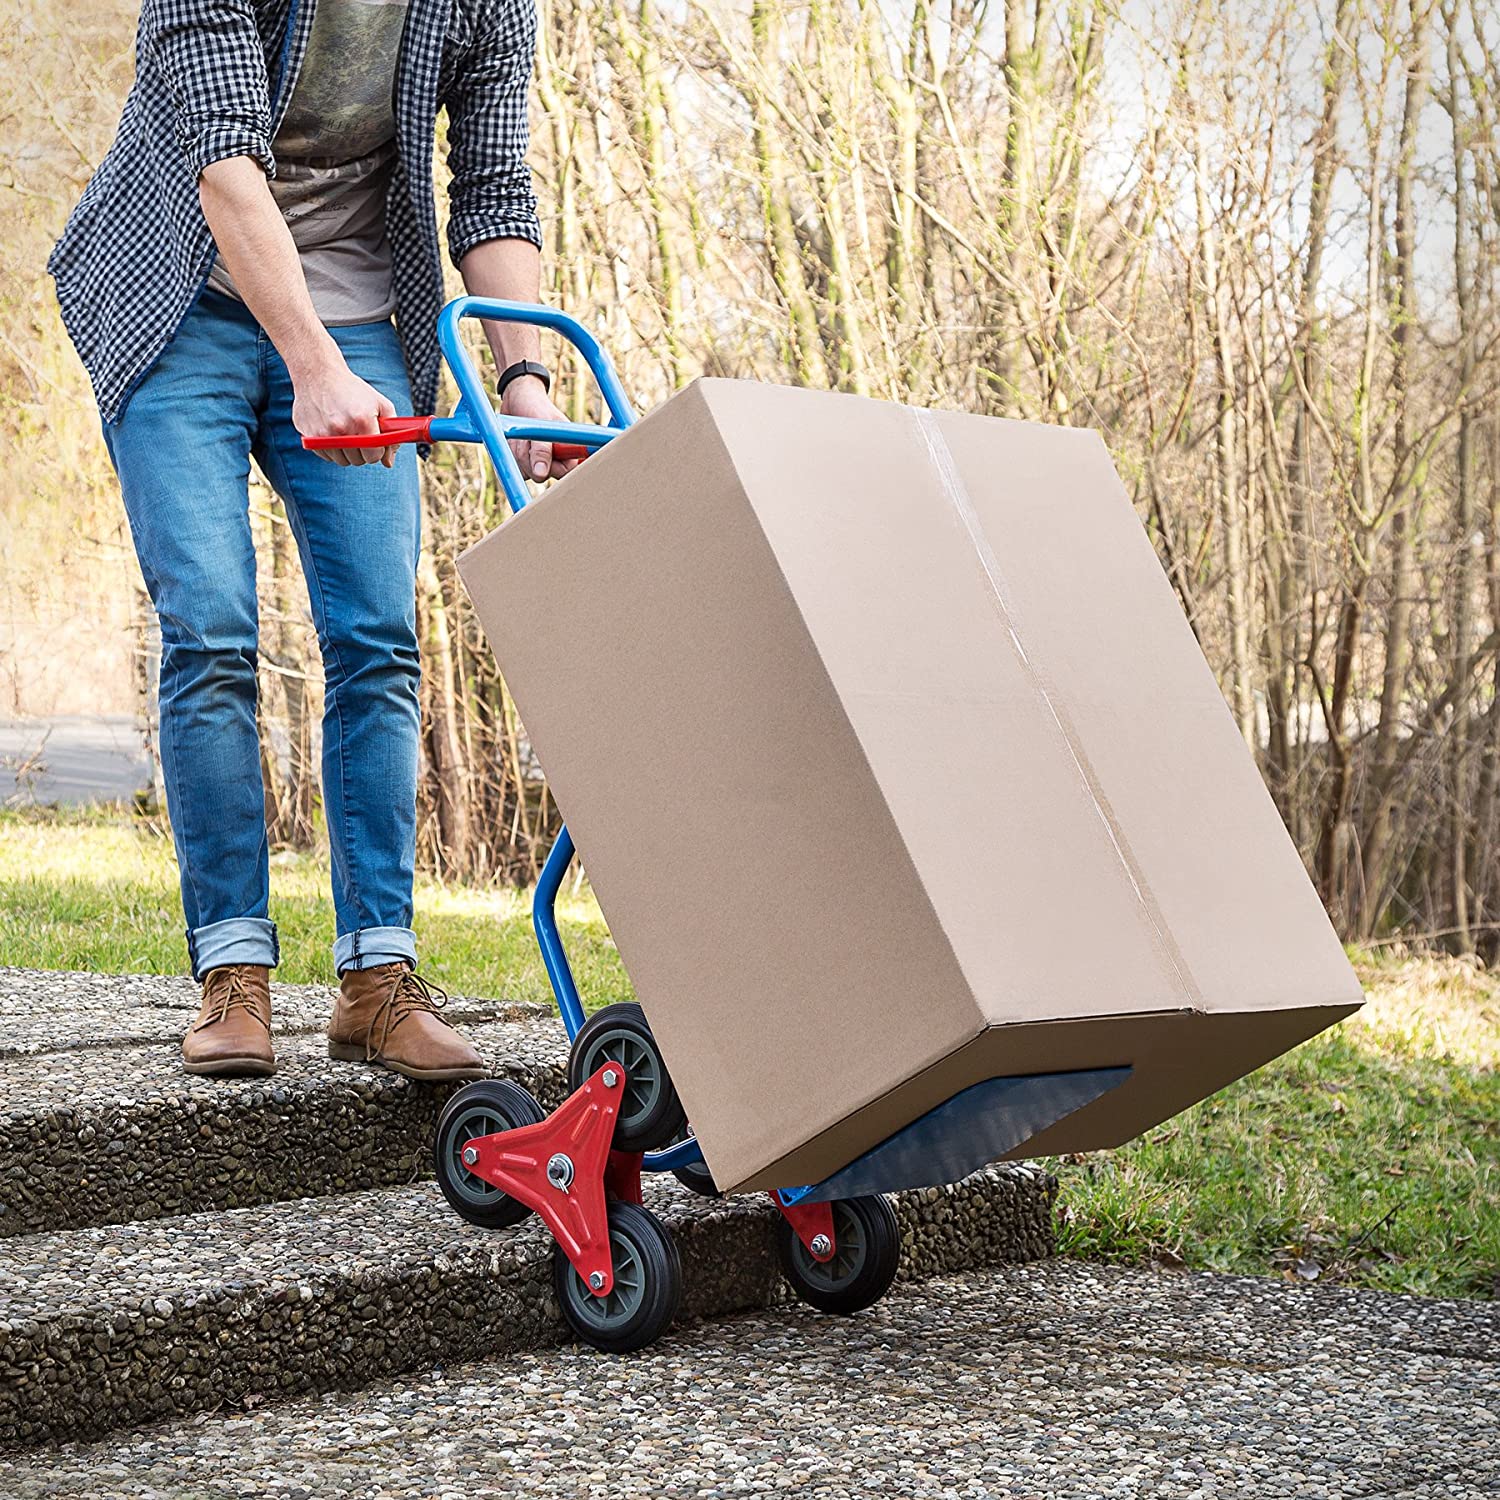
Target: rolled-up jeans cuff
(238, 940)
(372, 946)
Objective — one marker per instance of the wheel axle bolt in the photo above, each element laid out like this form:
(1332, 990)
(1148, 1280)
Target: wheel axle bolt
(560, 1172)
(611, 1079)
(471, 1155)
(821, 1244)
(596, 1280)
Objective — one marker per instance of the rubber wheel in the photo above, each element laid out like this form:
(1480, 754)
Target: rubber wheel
(696, 1178)
(650, 1113)
(647, 1289)
(477, 1109)
(867, 1252)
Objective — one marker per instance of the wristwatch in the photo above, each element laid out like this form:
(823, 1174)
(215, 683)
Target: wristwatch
(520, 368)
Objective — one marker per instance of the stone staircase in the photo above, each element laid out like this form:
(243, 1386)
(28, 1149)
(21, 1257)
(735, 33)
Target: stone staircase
(171, 1244)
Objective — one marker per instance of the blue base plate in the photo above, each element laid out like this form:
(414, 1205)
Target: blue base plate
(985, 1122)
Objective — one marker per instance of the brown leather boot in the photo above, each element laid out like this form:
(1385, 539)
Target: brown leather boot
(232, 1033)
(389, 1015)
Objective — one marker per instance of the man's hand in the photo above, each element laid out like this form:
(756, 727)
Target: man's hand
(527, 397)
(257, 247)
(511, 270)
(329, 398)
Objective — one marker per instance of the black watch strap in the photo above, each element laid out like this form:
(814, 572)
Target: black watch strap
(520, 368)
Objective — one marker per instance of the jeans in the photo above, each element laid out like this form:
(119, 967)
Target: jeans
(218, 396)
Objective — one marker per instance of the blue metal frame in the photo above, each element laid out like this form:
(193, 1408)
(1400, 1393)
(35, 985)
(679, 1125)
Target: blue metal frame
(475, 420)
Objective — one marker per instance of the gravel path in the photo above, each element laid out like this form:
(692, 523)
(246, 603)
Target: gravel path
(72, 758)
(1050, 1381)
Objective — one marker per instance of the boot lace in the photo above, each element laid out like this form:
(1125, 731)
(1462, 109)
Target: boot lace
(225, 990)
(410, 995)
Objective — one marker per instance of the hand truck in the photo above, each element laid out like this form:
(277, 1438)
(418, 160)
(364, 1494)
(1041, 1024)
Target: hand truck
(498, 1156)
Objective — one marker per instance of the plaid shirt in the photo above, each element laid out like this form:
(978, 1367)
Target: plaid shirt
(212, 80)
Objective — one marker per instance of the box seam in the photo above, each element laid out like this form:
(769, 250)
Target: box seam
(956, 492)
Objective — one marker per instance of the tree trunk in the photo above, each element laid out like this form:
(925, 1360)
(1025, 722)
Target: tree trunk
(1463, 585)
(455, 852)
(804, 343)
(1407, 486)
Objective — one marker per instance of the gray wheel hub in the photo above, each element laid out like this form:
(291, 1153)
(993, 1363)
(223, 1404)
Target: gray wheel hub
(850, 1247)
(469, 1126)
(623, 1299)
(642, 1071)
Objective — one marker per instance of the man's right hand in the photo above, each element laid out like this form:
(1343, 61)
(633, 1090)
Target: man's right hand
(256, 245)
(330, 399)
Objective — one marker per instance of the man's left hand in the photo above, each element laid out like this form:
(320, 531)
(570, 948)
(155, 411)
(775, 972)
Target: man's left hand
(527, 397)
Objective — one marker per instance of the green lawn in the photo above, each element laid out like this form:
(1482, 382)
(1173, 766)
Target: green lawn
(1370, 1155)
(88, 892)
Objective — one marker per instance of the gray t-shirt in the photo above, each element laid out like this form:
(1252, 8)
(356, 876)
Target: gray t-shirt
(334, 152)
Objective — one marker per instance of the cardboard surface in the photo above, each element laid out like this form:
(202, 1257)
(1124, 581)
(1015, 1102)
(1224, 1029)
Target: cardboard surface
(895, 768)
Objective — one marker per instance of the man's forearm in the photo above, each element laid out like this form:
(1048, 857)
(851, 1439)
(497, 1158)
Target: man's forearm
(511, 269)
(256, 245)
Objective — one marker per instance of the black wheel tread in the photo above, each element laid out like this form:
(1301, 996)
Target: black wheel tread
(872, 1279)
(662, 1291)
(507, 1102)
(695, 1177)
(667, 1118)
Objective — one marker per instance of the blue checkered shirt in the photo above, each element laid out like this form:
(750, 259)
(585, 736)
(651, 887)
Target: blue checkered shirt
(212, 80)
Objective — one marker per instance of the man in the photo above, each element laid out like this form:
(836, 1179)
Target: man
(229, 277)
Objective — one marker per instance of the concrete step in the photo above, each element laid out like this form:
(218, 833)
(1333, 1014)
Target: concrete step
(172, 1244)
(124, 1324)
(100, 1125)
(46, 1011)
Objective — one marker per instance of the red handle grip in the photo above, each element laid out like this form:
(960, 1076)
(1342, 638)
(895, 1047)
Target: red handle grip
(392, 430)
(414, 430)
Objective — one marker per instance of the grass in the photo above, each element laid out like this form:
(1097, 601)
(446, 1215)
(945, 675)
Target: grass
(1370, 1155)
(84, 891)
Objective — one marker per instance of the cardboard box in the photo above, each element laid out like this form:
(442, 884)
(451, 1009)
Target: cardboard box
(896, 768)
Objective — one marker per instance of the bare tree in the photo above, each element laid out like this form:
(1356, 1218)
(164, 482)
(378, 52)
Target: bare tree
(1210, 231)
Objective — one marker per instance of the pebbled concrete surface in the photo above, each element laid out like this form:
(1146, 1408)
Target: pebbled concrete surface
(1052, 1381)
(99, 1124)
(46, 1011)
(108, 1327)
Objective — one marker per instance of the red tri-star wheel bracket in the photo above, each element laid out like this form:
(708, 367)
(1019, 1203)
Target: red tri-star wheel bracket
(560, 1169)
(622, 1176)
(813, 1225)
